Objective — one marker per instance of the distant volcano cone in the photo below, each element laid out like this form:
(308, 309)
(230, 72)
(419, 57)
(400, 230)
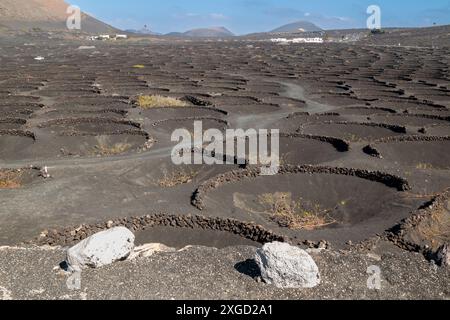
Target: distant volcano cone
(47, 15)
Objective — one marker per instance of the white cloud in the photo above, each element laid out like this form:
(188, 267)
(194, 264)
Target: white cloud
(218, 16)
(200, 16)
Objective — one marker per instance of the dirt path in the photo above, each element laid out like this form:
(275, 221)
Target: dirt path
(295, 91)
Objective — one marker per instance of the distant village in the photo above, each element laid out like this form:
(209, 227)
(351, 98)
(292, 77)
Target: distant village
(297, 40)
(351, 37)
(105, 37)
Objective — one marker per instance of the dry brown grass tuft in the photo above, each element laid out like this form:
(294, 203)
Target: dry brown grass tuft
(154, 101)
(295, 214)
(170, 180)
(436, 229)
(10, 179)
(424, 166)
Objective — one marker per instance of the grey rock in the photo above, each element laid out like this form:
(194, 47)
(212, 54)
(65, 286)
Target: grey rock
(286, 266)
(101, 249)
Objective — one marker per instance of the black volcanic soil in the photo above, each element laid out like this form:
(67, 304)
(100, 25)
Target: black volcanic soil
(375, 118)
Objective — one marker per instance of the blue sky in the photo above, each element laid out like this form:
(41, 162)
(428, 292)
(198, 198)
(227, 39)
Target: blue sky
(246, 16)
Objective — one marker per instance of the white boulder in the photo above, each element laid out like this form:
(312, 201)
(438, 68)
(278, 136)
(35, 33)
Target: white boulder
(101, 249)
(286, 266)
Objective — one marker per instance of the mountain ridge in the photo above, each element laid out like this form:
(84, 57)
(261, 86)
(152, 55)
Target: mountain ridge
(47, 15)
(211, 32)
(298, 26)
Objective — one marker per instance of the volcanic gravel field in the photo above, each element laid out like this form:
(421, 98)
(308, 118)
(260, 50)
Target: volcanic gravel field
(365, 138)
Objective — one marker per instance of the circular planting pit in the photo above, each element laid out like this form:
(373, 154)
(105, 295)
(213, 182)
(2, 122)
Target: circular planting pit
(181, 237)
(15, 110)
(298, 149)
(436, 130)
(365, 111)
(19, 100)
(99, 103)
(90, 137)
(232, 100)
(88, 126)
(174, 113)
(177, 231)
(314, 203)
(54, 93)
(408, 104)
(251, 109)
(342, 100)
(162, 130)
(96, 145)
(284, 101)
(304, 117)
(74, 86)
(415, 120)
(421, 152)
(293, 122)
(166, 175)
(84, 113)
(353, 131)
(266, 87)
(438, 112)
(306, 149)
(428, 229)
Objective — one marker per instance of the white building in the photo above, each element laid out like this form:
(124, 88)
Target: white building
(121, 36)
(279, 40)
(307, 40)
(297, 40)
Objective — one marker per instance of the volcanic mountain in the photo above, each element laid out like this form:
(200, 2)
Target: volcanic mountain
(48, 15)
(143, 31)
(299, 26)
(213, 32)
